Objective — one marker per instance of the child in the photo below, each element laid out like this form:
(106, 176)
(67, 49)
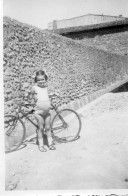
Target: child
(42, 109)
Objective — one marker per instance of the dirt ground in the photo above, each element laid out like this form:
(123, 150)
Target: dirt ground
(97, 160)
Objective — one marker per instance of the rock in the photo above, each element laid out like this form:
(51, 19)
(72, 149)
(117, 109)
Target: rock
(12, 187)
(66, 62)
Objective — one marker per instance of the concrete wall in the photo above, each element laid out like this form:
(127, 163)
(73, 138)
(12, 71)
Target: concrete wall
(82, 21)
(52, 25)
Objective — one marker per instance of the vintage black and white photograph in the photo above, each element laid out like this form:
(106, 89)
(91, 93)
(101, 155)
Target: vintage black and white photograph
(65, 78)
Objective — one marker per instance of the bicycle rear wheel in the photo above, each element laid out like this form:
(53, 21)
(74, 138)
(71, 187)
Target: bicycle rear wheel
(66, 126)
(15, 132)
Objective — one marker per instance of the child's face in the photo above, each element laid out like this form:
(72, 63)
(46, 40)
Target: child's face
(41, 80)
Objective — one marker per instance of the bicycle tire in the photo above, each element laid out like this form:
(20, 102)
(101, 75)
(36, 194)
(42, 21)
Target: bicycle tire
(15, 132)
(69, 133)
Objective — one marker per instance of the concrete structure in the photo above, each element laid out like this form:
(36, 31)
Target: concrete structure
(84, 20)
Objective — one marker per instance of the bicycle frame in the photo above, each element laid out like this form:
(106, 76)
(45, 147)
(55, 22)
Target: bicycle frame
(58, 113)
(25, 115)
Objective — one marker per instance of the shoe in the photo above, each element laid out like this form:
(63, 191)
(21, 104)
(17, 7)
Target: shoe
(51, 147)
(42, 149)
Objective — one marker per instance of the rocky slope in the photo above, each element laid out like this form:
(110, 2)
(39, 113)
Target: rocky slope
(111, 42)
(73, 69)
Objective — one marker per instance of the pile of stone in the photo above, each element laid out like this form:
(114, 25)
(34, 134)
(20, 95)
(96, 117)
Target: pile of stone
(73, 69)
(112, 42)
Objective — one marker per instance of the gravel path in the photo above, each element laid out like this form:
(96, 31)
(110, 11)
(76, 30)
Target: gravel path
(98, 160)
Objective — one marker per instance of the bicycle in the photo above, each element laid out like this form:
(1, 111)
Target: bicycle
(65, 126)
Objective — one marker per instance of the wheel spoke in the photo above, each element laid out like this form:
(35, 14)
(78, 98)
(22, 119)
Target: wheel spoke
(14, 133)
(71, 131)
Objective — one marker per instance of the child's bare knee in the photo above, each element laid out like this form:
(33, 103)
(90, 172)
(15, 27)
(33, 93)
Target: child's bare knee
(40, 129)
(47, 127)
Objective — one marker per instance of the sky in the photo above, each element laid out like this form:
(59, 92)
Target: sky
(40, 12)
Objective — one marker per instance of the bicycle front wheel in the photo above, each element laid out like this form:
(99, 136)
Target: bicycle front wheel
(14, 132)
(66, 126)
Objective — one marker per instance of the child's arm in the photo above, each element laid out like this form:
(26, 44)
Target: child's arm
(32, 94)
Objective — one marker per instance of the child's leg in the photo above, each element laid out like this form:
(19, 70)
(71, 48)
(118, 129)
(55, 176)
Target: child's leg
(48, 131)
(40, 122)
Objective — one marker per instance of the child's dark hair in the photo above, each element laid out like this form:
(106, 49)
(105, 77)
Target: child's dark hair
(40, 73)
